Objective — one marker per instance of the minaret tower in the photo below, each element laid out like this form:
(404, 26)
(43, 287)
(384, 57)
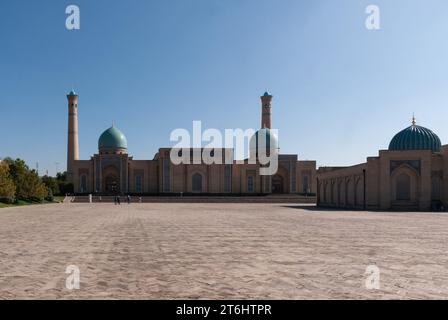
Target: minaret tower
(72, 143)
(266, 101)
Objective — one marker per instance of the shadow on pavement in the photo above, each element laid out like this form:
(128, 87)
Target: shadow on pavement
(316, 208)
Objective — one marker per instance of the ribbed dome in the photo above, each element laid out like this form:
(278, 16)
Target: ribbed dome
(112, 139)
(415, 138)
(262, 140)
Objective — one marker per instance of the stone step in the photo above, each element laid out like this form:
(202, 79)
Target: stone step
(204, 199)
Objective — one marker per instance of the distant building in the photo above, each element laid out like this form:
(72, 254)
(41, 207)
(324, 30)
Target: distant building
(411, 175)
(113, 170)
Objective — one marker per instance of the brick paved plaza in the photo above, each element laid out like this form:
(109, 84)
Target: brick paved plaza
(256, 251)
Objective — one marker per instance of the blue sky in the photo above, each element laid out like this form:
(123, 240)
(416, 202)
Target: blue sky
(340, 91)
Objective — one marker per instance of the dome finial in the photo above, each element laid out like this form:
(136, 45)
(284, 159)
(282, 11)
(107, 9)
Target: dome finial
(413, 120)
(72, 93)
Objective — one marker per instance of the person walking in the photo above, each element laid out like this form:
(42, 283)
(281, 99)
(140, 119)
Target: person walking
(118, 200)
(129, 199)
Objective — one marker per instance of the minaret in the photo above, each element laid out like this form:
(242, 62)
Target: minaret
(72, 143)
(266, 100)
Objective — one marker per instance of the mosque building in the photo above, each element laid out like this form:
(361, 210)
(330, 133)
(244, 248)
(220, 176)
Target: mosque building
(113, 171)
(411, 175)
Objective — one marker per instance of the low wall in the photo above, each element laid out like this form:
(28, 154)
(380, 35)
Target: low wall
(199, 199)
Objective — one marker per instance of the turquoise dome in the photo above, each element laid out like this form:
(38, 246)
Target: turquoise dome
(264, 139)
(72, 93)
(415, 138)
(112, 138)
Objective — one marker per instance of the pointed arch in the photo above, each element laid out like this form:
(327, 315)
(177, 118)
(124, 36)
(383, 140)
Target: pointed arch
(405, 182)
(196, 182)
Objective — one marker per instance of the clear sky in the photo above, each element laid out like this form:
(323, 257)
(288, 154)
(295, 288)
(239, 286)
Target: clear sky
(340, 91)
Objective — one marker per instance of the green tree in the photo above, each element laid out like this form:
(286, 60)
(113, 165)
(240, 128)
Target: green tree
(64, 186)
(61, 176)
(35, 188)
(50, 196)
(51, 183)
(7, 187)
(28, 184)
(18, 170)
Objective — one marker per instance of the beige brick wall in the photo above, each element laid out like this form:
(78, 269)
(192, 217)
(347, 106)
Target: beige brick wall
(381, 180)
(180, 176)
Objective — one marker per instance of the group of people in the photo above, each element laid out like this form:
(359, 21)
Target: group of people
(117, 199)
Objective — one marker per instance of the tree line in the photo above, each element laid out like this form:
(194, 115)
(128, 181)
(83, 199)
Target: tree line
(19, 182)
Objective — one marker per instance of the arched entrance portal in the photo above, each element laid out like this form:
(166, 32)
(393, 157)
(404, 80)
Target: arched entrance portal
(111, 180)
(112, 185)
(403, 187)
(277, 184)
(196, 182)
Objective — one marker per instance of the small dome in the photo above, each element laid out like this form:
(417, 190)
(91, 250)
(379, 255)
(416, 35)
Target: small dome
(72, 93)
(263, 139)
(113, 139)
(415, 138)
